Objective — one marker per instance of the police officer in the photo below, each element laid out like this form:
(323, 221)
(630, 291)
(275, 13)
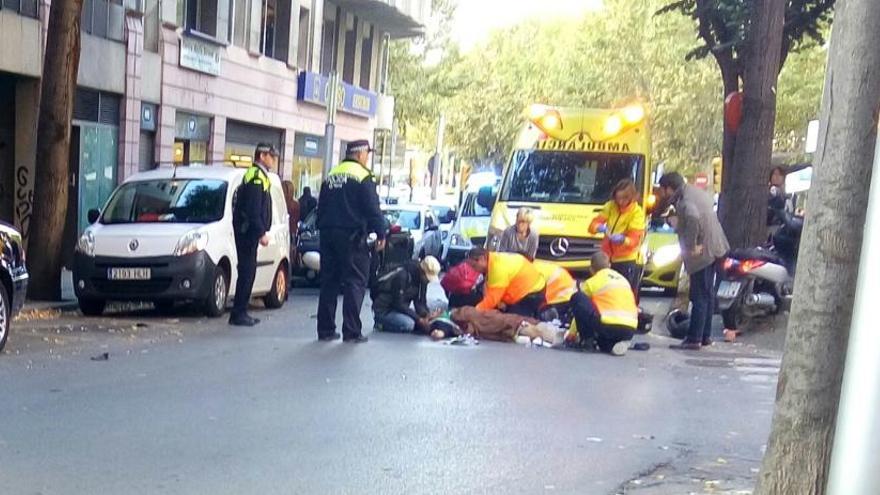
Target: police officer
(251, 219)
(348, 210)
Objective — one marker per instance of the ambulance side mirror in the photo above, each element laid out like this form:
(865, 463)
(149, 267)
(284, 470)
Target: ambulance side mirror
(486, 197)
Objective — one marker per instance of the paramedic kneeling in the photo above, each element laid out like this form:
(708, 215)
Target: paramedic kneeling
(511, 281)
(605, 309)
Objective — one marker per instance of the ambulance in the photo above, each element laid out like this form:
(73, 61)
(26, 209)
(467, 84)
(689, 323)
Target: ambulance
(564, 164)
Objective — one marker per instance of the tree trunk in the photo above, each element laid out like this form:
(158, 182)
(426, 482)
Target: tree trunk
(744, 209)
(60, 67)
(799, 450)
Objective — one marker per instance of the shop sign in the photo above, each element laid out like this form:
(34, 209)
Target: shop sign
(199, 56)
(314, 88)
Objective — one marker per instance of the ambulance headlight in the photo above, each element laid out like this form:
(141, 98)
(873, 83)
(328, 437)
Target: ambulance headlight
(666, 255)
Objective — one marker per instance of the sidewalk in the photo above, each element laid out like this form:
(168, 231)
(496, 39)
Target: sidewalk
(68, 298)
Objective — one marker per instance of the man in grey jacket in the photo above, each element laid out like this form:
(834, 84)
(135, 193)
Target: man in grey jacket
(703, 244)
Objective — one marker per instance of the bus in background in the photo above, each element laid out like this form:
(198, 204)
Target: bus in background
(564, 165)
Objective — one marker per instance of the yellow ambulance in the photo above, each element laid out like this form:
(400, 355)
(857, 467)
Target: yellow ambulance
(564, 165)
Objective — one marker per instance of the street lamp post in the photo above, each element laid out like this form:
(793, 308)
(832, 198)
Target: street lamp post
(330, 127)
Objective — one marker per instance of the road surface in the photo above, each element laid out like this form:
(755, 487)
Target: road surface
(186, 405)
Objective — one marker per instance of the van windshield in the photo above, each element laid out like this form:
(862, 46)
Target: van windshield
(472, 207)
(167, 201)
(540, 176)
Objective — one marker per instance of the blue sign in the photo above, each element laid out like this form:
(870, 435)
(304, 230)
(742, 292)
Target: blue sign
(313, 88)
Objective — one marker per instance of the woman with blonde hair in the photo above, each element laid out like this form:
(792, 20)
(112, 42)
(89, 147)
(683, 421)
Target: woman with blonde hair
(622, 221)
(521, 237)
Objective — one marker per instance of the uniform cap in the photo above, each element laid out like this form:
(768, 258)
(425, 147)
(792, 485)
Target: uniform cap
(358, 146)
(265, 148)
(431, 267)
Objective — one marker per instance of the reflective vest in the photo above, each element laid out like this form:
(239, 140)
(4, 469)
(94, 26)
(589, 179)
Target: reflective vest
(613, 298)
(345, 171)
(561, 286)
(629, 222)
(511, 278)
(255, 175)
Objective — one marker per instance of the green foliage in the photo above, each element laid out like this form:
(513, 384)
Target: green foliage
(603, 59)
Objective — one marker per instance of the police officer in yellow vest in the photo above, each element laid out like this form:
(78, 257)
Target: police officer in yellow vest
(348, 211)
(605, 309)
(251, 220)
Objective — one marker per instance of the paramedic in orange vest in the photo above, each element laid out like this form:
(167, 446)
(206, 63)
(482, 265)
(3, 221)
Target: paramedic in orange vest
(622, 221)
(561, 286)
(605, 309)
(513, 285)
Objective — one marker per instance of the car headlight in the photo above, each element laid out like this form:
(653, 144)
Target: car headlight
(458, 240)
(191, 242)
(666, 255)
(86, 244)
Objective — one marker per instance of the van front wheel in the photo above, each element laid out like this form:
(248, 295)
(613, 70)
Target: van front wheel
(276, 297)
(215, 304)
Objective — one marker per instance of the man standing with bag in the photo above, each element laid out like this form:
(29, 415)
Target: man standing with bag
(348, 211)
(703, 243)
(251, 220)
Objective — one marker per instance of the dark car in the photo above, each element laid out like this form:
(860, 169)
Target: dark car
(13, 278)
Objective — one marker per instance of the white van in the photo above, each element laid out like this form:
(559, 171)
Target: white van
(471, 226)
(166, 236)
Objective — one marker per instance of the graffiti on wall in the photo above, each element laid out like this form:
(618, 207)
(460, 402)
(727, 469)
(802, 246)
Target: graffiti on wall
(24, 200)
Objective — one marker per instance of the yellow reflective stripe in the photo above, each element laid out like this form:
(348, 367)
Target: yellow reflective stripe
(620, 317)
(613, 285)
(255, 175)
(351, 169)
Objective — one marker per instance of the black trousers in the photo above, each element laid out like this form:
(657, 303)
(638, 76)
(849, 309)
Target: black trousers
(632, 272)
(345, 263)
(246, 250)
(528, 306)
(590, 326)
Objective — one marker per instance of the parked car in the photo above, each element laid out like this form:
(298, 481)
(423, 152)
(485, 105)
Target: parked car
(446, 215)
(167, 236)
(13, 278)
(663, 260)
(472, 224)
(421, 223)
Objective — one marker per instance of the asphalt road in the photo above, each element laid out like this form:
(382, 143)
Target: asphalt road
(185, 405)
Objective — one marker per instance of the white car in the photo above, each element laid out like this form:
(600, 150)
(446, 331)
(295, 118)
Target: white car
(166, 236)
(421, 223)
(472, 223)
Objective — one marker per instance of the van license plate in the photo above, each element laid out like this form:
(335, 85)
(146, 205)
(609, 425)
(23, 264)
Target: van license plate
(129, 274)
(728, 290)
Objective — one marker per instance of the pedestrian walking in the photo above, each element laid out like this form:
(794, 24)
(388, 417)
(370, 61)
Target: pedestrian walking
(622, 221)
(251, 219)
(703, 244)
(348, 211)
(307, 203)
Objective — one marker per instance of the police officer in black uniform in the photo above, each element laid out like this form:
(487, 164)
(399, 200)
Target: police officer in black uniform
(251, 220)
(348, 211)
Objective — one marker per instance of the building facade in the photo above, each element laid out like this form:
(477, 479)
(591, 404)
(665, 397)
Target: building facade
(164, 82)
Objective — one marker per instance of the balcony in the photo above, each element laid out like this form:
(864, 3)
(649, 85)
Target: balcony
(400, 18)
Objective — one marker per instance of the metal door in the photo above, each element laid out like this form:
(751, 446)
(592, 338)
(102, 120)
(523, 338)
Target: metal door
(97, 168)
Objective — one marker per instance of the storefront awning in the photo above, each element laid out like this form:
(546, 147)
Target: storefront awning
(387, 17)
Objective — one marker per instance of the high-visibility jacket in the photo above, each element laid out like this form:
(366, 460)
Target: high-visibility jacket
(511, 278)
(630, 222)
(561, 286)
(252, 204)
(613, 298)
(349, 200)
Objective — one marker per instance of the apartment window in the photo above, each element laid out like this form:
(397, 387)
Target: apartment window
(103, 18)
(367, 58)
(275, 32)
(303, 55)
(352, 38)
(198, 15)
(328, 47)
(27, 8)
(241, 22)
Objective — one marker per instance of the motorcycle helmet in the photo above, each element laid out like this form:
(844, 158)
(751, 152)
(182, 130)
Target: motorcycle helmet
(678, 323)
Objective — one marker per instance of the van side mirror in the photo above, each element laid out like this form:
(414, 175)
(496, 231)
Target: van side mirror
(451, 216)
(486, 197)
(93, 215)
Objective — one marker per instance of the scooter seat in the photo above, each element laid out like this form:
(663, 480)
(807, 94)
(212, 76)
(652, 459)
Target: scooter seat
(755, 254)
